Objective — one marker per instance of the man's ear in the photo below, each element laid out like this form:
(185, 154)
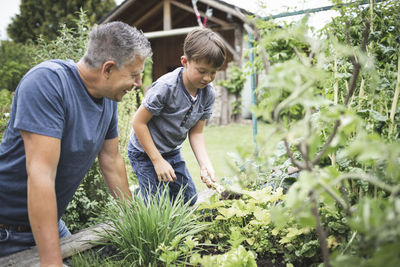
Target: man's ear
(184, 61)
(107, 68)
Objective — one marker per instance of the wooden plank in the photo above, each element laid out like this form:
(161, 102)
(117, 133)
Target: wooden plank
(158, 34)
(167, 15)
(70, 245)
(119, 10)
(148, 14)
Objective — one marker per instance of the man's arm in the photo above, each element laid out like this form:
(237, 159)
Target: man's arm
(42, 156)
(164, 170)
(198, 144)
(112, 166)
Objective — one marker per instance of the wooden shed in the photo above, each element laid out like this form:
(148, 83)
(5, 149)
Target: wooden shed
(166, 23)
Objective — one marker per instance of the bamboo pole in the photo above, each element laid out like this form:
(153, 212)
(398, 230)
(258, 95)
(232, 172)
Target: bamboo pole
(395, 99)
(361, 93)
(397, 91)
(335, 85)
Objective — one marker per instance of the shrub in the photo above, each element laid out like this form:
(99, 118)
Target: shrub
(5, 105)
(16, 60)
(89, 200)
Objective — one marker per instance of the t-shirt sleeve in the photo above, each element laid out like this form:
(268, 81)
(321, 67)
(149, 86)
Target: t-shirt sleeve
(210, 98)
(155, 99)
(39, 102)
(113, 129)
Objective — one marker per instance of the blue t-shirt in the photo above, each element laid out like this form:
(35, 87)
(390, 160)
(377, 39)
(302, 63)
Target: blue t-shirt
(52, 100)
(174, 111)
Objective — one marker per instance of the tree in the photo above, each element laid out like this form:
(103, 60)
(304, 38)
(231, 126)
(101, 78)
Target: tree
(43, 17)
(15, 61)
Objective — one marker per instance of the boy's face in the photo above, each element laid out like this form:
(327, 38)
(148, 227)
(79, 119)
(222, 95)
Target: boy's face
(197, 74)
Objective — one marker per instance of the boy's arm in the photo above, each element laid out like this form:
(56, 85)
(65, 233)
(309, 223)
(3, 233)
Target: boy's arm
(113, 168)
(198, 144)
(164, 170)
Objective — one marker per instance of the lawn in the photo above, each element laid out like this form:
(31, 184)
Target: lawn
(220, 141)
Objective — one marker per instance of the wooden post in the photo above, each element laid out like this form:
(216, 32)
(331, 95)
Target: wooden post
(167, 15)
(238, 32)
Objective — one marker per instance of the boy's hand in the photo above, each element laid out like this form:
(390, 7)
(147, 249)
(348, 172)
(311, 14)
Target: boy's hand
(164, 170)
(207, 175)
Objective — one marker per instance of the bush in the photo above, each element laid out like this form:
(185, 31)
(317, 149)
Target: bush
(88, 202)
(5, 105)
(16, 60)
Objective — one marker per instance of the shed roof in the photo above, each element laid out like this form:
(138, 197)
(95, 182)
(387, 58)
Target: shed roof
(148, 14)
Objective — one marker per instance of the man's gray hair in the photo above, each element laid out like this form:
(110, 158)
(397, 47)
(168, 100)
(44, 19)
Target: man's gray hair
(116, 41)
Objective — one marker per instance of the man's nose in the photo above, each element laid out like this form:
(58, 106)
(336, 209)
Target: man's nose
(138, 81)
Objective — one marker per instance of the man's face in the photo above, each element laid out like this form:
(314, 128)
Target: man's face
(123, 80)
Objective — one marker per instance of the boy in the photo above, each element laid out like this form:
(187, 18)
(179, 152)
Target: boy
(177, 105)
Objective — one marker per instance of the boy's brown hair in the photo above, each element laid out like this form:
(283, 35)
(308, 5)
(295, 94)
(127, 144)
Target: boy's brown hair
(204, 44)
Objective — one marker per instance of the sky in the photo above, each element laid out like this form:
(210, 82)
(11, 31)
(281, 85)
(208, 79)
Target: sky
(10, 8)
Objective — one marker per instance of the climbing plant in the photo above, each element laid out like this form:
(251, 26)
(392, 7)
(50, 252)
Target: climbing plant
(332, 105)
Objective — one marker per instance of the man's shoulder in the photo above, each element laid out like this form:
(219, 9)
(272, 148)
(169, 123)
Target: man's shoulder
(53, 66)
(56, 64)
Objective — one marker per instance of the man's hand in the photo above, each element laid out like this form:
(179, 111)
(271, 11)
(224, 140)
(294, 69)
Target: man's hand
(113, 168)
(164, 170)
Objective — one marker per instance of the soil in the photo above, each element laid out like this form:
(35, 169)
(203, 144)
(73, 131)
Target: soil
(269, 263)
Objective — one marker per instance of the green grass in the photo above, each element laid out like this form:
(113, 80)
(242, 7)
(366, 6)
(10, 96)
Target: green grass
(220, 140)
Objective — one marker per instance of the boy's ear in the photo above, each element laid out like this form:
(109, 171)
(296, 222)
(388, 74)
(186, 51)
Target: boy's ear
(184, 61)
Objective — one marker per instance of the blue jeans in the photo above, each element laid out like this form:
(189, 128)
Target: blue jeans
(147, 176)
(12, 242)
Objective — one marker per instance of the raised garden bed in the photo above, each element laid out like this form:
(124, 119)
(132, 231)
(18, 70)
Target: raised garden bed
(82, 241)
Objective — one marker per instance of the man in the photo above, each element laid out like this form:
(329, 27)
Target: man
(63, 115)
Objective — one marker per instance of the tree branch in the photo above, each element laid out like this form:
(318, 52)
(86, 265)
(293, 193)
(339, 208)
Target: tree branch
(327, 144)
(291, 156)
(296, 51)
(320, 231)
(342, 202)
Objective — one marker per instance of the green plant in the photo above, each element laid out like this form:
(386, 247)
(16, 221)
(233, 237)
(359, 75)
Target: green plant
(235, 257)
(322, 103)
(88, 202)
(69, 44)
(92, 258)
(249, 222)
(376, 98)
(16, 60)
(5, 105)
(141, 230)
(126, 110)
